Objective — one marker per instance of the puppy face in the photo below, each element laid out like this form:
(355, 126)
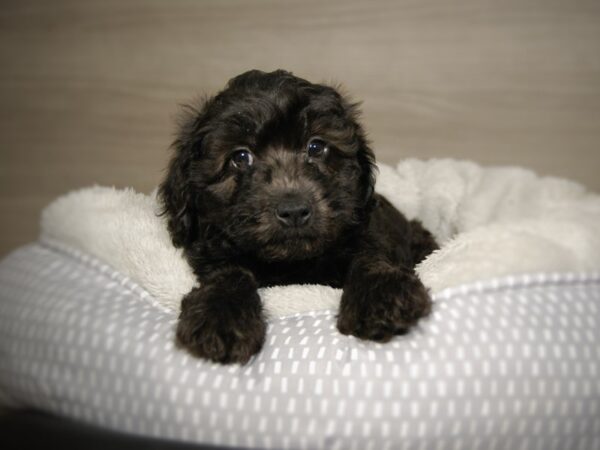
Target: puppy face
(272, 166)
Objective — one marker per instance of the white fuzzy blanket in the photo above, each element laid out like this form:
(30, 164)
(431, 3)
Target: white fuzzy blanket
(489, 221)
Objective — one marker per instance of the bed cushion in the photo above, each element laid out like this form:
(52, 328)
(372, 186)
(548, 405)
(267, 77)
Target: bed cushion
(506, 363)
(489, 221)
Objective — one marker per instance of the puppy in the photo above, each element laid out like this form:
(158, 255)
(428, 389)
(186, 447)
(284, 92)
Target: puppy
(272, 184)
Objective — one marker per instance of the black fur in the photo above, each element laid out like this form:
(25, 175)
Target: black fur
(254, 202)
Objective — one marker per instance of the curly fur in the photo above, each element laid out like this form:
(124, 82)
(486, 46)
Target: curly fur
(227, 218)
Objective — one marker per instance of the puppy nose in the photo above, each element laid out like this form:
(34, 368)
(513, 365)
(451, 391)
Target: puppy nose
(293, 211)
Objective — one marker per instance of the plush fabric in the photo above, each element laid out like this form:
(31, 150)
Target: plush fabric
(490, 222)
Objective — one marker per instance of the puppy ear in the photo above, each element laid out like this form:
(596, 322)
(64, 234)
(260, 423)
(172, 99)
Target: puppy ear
(176, 192)
(366, 160)
(177, 201)
(365, 156)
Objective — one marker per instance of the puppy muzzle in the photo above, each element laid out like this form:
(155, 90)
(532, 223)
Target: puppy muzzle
(293, 210)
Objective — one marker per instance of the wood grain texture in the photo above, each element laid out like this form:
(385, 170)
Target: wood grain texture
(89, 90)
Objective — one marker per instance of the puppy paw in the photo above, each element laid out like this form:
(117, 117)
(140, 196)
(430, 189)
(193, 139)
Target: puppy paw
(222, 322)
(382, 301)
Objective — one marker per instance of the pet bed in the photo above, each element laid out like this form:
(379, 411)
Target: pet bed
(508, 359)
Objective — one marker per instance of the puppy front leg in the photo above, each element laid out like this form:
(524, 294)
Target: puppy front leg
(222, 320)
(381, 300)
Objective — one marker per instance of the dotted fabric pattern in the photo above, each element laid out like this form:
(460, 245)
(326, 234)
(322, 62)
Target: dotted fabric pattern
(508, 364)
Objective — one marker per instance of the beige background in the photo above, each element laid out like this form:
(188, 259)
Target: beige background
(89, 89)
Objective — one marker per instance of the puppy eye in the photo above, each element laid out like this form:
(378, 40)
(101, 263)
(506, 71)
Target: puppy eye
(317, 148)
(242, 158)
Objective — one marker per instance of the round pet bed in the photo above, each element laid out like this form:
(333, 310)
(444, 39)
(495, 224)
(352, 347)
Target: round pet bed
(508, 359)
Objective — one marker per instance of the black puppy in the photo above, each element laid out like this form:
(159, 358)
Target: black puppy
(272, 184)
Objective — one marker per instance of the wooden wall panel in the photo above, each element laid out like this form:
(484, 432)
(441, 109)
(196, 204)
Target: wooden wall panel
(88, 90)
